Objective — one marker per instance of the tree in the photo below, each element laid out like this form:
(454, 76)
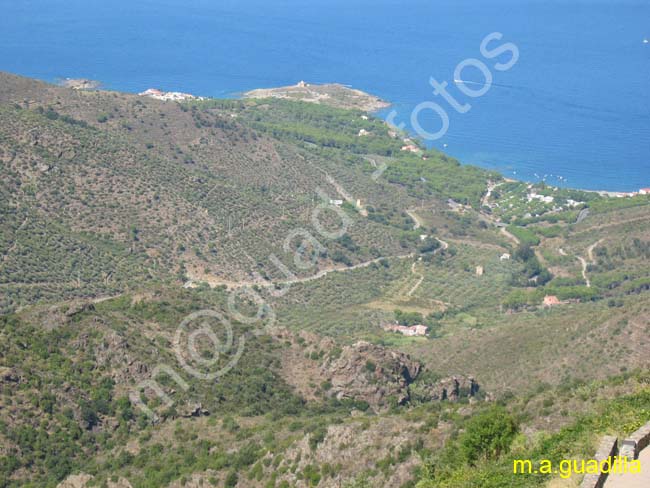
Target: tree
(408, 318)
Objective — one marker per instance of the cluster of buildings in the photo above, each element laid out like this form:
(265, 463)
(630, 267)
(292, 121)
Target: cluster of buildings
(168, 96)
(407, 330)
(532, 195)
(542, 198)
(642, 191)
(410, 146)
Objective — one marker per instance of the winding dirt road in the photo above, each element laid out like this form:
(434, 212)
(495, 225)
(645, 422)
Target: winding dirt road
(192, 283)
(417, 284)
(417, 223)
(270, 284)
(585, 264)
(510, 236)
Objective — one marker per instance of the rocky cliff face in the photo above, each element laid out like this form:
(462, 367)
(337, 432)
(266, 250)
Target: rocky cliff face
(370, 373)
(363, 372)
(454, 388)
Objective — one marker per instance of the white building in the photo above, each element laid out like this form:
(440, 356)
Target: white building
(167, 96)
(411, 148)
(413, 330)
(541, 198)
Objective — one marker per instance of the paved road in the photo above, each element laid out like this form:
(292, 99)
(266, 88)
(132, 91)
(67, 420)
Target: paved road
(641, 480)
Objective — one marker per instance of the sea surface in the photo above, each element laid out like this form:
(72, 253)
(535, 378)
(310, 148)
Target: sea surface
(574, 109)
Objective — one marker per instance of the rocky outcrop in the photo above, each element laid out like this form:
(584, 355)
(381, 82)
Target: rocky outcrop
(370, 373)
(454, 388)
(75, 481)
(83, 480)
(9, 375)
(78, 307)
(115, 353)
(194, 410)
(348, 446)
(316, 367)
(55, 316)
(80, 84)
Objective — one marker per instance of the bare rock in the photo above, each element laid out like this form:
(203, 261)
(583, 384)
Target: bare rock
(454, 388)
(370, 373)
(55, 316)
(120, 483)
(115, 353)
(9, 375)
(347, 444)
(75, 308)
(82, 480)
(195, 410)
(75, 481)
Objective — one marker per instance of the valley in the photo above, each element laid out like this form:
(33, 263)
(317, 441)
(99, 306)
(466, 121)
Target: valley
(306, 230)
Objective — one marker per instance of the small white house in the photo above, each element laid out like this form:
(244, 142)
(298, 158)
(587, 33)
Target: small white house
(411, 148)
(573, 203)
(541, 198)
(413, 330)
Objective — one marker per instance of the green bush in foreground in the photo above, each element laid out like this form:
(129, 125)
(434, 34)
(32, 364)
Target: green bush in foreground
(488, 437)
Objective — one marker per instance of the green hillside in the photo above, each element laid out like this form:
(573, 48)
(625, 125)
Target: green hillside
(310, 229)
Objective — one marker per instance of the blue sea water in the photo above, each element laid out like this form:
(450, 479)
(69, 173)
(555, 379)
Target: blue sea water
(576, 105)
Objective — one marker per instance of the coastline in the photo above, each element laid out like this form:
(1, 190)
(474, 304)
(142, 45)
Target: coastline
(325, 94)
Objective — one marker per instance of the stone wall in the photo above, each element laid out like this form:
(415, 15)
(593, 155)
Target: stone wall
(608, 447)
(636, 442)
